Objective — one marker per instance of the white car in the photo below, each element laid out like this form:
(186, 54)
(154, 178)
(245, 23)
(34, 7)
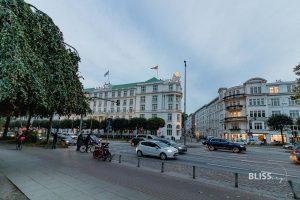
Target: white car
(156, 148)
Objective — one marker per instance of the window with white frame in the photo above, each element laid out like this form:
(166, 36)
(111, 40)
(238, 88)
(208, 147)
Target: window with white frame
(155, 88)
(274, 89)
(170, 98)
(142, 99)
(113, 94)
(124, 109)
(154, 107)
(131, 92)
(169, 117)
(275, 102)
(143, 89)
(131, 102)
(119, 93)
(171, 87)
(154, 115)
(125, 93)
(124, 102)
(130, 109)
(142, 115)
(294, 114)
(169, 129)
(154, 99)
(118, 109)
(258, 126)
(170, 106)
(142, 107)
(293, 102)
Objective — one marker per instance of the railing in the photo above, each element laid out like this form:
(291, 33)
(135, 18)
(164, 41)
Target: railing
(235, 107)
(241, 118)
(275, 185)
(234, 96)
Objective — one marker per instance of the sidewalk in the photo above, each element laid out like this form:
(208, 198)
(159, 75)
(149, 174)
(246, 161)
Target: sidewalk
(64, 174)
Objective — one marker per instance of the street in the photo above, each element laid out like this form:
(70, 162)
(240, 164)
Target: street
(64, 174)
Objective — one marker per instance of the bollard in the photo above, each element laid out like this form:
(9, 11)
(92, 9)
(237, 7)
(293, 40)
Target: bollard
(138, 165)
(236, 175)
(120, 158)
(162, 167)
(293, 189)
(194, 172)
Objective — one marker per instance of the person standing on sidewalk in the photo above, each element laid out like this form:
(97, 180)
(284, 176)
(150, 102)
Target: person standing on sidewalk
(79, 141)
(54, 141)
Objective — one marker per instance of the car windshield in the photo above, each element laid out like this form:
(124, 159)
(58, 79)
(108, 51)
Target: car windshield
(161, 144)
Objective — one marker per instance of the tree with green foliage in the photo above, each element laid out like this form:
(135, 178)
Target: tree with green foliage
(120, 124)
(153, 124)
(38, 70)
(137, 123)
(278, 122)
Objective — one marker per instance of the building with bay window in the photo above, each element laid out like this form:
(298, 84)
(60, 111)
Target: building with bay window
(243, 110)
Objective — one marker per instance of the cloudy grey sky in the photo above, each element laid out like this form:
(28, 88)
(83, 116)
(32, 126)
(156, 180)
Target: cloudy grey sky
(225, 42)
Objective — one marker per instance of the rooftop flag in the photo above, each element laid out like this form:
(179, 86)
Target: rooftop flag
(107, 73)
(155, 67)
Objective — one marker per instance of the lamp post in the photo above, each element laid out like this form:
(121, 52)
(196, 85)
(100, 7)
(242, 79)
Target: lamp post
(184, 131)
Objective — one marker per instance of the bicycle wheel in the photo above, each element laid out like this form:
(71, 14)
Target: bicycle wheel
(82, 148)
(92, 148)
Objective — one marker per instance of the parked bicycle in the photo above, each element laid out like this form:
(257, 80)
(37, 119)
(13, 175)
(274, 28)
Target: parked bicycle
(102, 152)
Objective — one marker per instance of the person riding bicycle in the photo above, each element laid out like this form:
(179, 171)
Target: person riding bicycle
(20, 139)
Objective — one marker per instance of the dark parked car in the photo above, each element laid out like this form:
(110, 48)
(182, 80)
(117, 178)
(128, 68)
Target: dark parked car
(134, 141)
(218, 143)
(295, 155)
(179, 147)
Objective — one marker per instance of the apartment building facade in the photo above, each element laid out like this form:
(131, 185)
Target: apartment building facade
(244, 110)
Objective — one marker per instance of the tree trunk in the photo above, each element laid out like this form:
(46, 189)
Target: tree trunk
(49, 128)
(282, 138)
(28, 122)
(6, 127)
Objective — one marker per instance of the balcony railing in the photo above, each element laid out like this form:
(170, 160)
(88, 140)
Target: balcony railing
(241, 118)
(235, 107)
(234, 96)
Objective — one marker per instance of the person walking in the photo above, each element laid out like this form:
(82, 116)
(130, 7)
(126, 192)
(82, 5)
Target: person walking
(79, 141)
(54, 141)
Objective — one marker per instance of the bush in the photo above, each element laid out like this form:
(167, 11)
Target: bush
(31, 136)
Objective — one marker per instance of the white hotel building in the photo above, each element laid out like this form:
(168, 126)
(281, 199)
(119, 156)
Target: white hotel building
(242, 111)
(149, 99)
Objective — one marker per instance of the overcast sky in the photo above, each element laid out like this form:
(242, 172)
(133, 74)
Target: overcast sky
(225, 42)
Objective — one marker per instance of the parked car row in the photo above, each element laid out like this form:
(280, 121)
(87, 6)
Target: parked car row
(155, 146)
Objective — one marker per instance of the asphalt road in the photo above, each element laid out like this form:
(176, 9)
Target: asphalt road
(67, 161)
(255, 159)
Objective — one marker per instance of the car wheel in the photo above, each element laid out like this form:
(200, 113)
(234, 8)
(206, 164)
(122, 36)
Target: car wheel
(235, 150)
(211, 148)
(163, 156)
(139, 153)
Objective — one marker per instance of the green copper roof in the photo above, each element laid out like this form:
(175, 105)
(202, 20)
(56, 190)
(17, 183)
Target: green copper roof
(127, 86)
(124, 86)
(152, 80)
(88, 90)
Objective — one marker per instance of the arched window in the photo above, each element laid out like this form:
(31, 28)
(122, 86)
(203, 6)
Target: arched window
(169, 129)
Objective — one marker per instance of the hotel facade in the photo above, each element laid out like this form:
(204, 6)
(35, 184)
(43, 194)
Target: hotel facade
(242, 111)
(148, 99)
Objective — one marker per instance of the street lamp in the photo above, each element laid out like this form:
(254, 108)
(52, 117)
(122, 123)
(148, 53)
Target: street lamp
(184, 131)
